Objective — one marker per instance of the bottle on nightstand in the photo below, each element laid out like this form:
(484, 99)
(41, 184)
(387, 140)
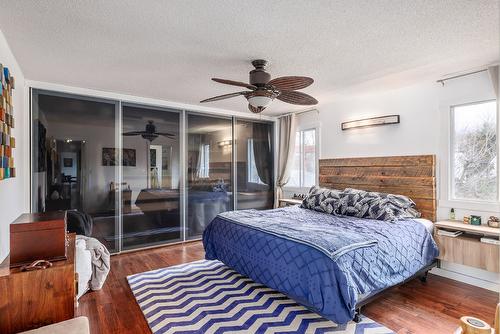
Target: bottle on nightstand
(452, 214)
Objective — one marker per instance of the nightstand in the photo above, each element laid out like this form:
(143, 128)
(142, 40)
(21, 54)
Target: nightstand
(467, 248)
(288, 201)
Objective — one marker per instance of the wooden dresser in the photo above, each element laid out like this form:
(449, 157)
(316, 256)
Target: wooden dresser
(36, 298)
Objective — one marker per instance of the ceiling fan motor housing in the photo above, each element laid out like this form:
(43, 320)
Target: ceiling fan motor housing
(259, 76)
(150, 127)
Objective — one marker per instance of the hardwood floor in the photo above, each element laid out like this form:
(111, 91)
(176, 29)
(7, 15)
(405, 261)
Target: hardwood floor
(434, 307)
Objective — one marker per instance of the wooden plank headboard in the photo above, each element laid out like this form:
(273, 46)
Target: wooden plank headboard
(413, 176)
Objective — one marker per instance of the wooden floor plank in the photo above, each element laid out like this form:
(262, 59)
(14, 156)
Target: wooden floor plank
(413, 308)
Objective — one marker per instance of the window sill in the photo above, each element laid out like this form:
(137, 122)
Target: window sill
(470, 205)
(302, 190)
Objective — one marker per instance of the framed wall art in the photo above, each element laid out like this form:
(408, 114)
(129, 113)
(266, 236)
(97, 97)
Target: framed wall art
(110, 156)
(7, 141)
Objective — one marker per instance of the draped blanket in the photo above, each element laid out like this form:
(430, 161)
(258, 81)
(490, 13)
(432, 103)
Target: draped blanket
(333, 237)
(101, 262)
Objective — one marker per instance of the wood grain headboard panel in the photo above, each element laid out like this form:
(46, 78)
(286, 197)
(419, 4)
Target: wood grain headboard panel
(413, 176)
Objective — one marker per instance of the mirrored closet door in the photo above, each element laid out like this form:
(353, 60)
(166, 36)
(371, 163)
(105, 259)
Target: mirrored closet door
(150, 187)
(209, 170)
(73, 164)
(254, 164)
(137, 176)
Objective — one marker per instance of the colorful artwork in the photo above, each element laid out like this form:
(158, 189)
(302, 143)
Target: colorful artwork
(7, 142)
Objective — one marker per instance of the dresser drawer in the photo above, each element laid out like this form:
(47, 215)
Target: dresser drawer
(32, 299)
(469, 251)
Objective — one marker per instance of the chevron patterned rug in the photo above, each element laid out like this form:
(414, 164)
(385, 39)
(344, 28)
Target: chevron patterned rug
(209, 297)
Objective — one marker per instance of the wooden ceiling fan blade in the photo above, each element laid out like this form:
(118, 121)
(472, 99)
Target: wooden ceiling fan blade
(235, 83)
(297, 98)
(165, 134)
(222, 97)
(291, 82)
(133, 133)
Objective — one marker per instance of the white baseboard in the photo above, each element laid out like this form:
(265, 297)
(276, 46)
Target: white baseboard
(466, 279)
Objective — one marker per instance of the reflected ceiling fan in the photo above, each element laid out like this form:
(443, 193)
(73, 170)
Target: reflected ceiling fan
(149, 133)
(262, 90)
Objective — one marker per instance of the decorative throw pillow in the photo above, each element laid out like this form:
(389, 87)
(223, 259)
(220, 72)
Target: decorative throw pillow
(375, 205)
(321, 199)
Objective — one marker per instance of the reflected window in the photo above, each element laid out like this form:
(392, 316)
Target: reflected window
(204, 161)
(254, 165)
(209, 166)
(253, 174)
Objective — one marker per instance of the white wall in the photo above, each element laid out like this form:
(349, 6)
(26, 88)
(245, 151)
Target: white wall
(14, 195)
(424, 129)
(416, 134)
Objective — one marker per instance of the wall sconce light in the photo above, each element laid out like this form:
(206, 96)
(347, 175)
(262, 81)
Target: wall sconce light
(373, 121)
(224, 143)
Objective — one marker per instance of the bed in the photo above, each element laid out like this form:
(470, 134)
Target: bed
(334, 264)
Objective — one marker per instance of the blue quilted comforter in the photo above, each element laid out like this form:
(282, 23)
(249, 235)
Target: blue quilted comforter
(325, 262)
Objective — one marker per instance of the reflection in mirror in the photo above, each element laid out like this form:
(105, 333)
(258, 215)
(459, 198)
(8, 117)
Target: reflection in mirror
(70, 137)
(209, 167)
(84, 162)
(151, 176)
(255, 169)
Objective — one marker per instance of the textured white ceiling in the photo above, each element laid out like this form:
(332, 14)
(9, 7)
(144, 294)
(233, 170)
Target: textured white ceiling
(170, 49)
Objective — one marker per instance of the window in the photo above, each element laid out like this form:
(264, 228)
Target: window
(303, 171)
(253, 174)
(474, 152)
(204, 161)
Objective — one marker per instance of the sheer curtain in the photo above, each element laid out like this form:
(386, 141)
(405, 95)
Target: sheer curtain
(286, 145)
(493, 72)
(495, 81)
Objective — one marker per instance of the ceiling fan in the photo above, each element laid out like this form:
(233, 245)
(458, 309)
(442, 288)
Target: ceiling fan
(149, 133)
(263, 90)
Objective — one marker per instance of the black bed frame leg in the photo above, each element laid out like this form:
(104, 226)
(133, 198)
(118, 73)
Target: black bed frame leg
(423, 278)
(357, 316)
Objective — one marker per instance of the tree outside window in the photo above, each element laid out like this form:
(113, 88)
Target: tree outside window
(474, 152)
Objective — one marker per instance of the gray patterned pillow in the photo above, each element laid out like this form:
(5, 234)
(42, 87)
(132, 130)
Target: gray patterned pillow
(375, 205)
(322, 199)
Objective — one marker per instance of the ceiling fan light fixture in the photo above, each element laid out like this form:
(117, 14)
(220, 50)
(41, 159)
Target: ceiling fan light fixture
(149, 136)
(259, 101)
(263, 90)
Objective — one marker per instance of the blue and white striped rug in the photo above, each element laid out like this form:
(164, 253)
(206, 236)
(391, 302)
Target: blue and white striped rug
(209, 297)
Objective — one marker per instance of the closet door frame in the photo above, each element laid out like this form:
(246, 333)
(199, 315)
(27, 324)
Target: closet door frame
(180, 113)
(117, 142)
